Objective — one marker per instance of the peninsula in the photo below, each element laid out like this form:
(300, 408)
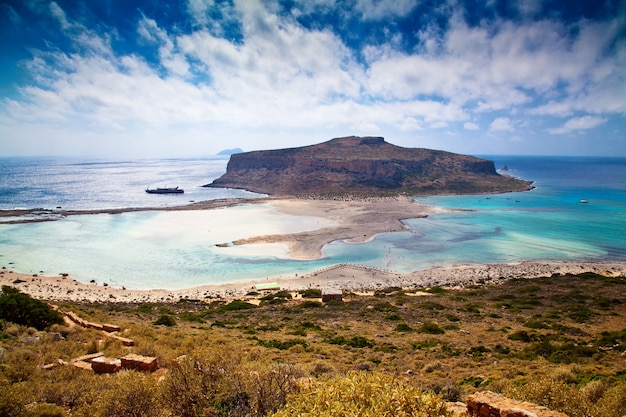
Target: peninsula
(363, 167)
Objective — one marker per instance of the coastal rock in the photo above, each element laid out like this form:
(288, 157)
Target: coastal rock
(360, 166)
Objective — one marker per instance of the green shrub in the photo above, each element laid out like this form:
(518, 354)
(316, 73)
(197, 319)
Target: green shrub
(165, 320)
(310, 304)
(191, 317)
(311, 293)
(474, 381)
(20, 308)
(616, 340)
(430, 328)
(282, 345)
(522, 336)
(580, 313)
(431, 305)
(236, 305)
(436, 290)
(536, 324)
(280, 294)
(403, 328)
(452, 317)
(425, 344)
(385, 307)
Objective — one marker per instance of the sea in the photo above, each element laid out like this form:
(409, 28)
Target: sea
(576, 212)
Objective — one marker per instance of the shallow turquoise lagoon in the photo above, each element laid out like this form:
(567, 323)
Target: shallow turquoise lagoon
(178, 249)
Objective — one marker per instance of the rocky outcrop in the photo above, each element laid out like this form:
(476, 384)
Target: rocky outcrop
(362, 166)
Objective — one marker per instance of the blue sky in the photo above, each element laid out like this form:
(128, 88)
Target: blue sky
(152, 78)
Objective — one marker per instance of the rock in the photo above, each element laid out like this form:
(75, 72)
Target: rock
(362, 166)
(140, 363)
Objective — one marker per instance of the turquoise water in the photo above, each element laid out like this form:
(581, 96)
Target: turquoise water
(177, 249)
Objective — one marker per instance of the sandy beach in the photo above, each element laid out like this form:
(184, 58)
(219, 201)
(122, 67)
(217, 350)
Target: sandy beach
(353, 278)
(353, 220)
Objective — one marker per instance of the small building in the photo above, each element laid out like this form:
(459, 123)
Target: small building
(331, 294)
(270, 286)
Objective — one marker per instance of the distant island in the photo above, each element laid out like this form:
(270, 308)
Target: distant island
(363, 166)
(230, 151)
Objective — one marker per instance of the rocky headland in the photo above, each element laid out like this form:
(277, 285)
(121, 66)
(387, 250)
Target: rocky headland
(363, 166)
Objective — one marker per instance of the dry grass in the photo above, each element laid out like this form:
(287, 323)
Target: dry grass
(557, 341)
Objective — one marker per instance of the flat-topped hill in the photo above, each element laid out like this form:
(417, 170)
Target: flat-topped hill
(363, 166)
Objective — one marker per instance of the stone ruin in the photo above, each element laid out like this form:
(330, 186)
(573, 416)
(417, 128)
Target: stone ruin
(139, 363)
(491, 404)
(100, 364)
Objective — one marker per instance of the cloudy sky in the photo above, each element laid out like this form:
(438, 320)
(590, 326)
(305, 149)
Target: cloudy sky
(114, 78)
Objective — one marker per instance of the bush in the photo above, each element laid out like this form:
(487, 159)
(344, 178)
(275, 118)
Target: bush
(282, 345)
(310, 304)
(403, 328)
(430, 328)
(236, 305)
(165, 320)
(363, 394)
(20, 308)
(311, 293)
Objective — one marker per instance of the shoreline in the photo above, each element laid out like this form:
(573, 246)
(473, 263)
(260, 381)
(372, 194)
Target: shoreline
(347, 277)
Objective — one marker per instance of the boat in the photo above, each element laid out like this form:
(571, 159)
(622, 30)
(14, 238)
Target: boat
(584, 201)
(165, 190)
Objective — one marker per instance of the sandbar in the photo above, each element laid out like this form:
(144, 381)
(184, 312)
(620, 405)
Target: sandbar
(354, 221)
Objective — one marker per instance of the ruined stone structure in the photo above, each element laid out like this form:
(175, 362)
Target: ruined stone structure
(140, 363)
(491, 404)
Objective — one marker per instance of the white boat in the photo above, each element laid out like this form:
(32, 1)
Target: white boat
(168, 190)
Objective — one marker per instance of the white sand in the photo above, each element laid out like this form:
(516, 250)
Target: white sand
(346, 277)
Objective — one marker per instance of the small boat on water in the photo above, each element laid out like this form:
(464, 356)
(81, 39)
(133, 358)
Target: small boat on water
(165, 190)
(584, 201)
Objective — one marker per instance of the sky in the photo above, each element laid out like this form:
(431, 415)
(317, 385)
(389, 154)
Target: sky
(155, 78)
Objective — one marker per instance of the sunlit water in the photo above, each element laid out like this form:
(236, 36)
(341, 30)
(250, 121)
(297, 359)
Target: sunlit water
(166, 249)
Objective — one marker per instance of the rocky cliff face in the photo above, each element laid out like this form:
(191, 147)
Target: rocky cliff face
(362, 166)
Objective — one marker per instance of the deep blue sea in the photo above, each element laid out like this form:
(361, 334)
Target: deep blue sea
(177, 249)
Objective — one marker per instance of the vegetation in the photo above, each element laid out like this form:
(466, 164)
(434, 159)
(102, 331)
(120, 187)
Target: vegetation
(363, 394)
(556, 341)
(21, 309)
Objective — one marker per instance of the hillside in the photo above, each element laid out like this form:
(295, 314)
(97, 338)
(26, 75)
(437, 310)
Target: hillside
(557, 341)
(360, 166)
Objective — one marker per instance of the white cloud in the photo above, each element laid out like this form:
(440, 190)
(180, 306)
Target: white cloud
(198, 10)
(501, 124)
(282, 76)
(410, 124)
(380, 9)
(470, 126)
(59, 15)
(578, 124)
